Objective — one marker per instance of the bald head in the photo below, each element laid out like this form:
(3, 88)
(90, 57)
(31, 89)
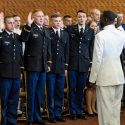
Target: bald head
(95, 14)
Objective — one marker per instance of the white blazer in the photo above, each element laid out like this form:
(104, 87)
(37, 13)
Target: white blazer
(106, 67)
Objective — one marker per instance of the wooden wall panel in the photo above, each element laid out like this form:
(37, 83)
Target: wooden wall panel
(70, 7)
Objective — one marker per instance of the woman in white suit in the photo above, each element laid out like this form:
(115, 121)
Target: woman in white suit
(107, 71)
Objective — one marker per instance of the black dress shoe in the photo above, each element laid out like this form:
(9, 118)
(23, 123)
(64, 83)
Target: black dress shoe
(8, 123)
(95, 113)
(91, 115)
(28, 123)
(39, 122)
(60, 119)
(79, 116)
(52, 120)
(73, 117)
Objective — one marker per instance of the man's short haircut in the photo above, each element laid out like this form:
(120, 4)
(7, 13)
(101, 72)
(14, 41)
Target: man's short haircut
(93, 11)
(45, 14)
(119, 13)
(109, 15)
(36, 10)
(7, 17)
(67, 16)
(81, 11)
(16, 16)
(55, 15)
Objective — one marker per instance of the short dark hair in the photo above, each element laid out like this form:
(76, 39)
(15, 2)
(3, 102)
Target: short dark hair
(81, 11)
(55, 15)
(109, 15)
(36, 10)
(67, 16)
(7, 17)
(16, 16)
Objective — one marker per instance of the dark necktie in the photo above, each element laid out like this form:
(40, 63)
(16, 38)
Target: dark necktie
(81, 32)
(57, 34)
(41, 28)
(12, 35)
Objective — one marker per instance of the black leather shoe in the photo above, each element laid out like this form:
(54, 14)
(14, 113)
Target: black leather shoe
(79, 116)
(8, 123)
(91, 115)
(73, 117)
(60, 119)
(52, 120)
(39, 122)
(28, 123)
(95, 113)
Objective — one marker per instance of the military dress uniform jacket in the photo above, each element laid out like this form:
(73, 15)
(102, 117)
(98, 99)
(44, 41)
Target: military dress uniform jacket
(10, 55)
(60, 51)
(37, 48)
(80, 48)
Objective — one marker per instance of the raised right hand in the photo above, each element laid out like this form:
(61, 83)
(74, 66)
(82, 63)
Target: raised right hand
(30, 19)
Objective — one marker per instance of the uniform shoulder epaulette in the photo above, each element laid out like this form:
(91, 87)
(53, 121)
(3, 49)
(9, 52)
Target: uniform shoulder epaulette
(27, 28)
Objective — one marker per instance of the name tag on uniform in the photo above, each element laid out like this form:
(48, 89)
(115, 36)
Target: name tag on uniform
(35, 35)
(6, 42)
(72, 35)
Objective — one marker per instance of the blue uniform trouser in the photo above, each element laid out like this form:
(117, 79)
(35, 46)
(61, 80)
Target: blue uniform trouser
(77, 82)
(35, 94)
(9, 91)
(55, 93)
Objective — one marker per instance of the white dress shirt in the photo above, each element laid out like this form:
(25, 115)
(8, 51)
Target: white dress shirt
(57, 30)
(17, 31)
(81, 26)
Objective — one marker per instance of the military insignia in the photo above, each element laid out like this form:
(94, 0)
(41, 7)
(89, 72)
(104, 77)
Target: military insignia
(35, 35)
(6, 42)
(72, 35)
